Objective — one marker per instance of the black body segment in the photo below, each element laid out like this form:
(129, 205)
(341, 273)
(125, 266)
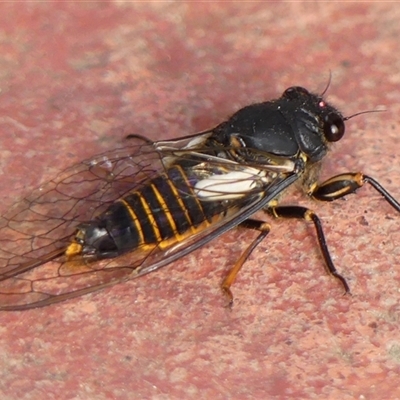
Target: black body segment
(122, 224)
(271, 127)
(144, 225)
(192, 213)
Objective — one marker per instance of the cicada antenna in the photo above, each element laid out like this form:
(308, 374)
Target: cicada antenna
(328, 84)
(362, 112)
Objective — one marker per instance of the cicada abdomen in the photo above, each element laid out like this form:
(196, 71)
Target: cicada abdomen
(179, 203)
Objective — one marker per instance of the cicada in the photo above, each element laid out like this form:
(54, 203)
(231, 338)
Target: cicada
(132, 210)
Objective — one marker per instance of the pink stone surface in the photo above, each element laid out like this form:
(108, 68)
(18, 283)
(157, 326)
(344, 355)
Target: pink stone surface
(76, 77)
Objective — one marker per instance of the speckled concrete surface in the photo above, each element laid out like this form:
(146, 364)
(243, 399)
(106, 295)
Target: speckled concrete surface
(75, 78)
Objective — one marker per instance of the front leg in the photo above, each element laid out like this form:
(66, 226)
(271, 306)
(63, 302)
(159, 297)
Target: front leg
(344, 184)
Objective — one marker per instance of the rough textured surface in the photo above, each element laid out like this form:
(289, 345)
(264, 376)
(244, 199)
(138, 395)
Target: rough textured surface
(75, 78)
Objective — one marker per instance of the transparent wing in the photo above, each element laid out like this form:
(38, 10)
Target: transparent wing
(45, 220)
(36, 230)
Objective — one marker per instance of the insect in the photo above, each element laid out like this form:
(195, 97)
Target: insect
(132, 210)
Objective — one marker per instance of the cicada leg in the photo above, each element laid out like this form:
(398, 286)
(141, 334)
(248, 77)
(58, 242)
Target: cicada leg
(264, 229)
(297, 212)
(309, 215)
(344, 184)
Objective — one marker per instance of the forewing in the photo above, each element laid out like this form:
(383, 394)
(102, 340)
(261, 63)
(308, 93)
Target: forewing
(42, 224)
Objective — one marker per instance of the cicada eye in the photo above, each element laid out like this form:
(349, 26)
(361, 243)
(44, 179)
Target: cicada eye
(295, 92)
(333, 127)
